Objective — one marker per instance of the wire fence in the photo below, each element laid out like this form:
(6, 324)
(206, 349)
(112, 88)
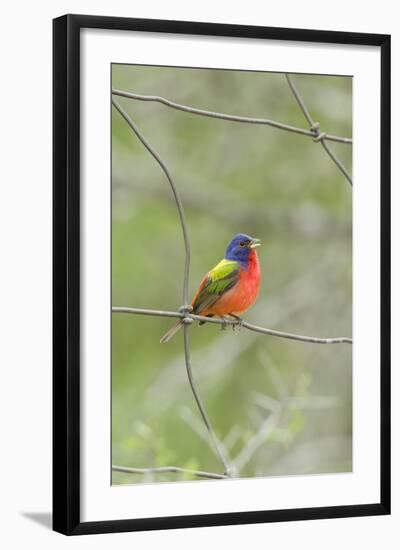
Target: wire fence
(231, 468)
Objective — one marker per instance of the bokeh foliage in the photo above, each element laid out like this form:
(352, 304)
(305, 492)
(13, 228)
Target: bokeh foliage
(274, 185)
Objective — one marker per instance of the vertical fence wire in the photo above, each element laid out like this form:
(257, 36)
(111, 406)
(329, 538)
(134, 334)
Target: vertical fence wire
(315, 127)
(177, 197)
(186, 307)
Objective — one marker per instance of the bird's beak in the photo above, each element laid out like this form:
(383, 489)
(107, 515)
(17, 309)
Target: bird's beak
(254, 243)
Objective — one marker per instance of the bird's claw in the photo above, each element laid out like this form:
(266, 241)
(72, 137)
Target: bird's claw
(238, 325)
(224, 324)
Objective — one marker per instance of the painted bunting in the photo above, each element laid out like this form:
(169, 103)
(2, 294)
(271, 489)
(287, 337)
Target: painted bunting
(231, 287)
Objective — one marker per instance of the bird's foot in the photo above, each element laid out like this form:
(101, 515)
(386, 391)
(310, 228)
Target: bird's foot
(237, 326)
(224, 324)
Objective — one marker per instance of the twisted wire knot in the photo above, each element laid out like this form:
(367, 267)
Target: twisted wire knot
(185, 309)
(316, 129)
(320, 136)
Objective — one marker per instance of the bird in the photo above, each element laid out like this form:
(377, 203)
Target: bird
(231, 287)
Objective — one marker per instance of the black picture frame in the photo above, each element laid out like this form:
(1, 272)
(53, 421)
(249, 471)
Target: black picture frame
(66, 273)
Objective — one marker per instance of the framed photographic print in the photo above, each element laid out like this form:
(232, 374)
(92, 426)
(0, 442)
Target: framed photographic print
(221, 274)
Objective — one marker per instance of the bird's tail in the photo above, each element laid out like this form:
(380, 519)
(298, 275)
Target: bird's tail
(171, 332)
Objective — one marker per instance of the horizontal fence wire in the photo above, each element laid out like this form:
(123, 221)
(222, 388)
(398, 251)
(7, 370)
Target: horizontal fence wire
(168, 469)
(230, 469)
(189, 317)
(233, 118)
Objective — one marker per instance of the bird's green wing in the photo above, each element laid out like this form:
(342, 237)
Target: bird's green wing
(219, 280)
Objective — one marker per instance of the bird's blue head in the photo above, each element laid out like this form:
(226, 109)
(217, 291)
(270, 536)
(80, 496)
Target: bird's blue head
(240, 248)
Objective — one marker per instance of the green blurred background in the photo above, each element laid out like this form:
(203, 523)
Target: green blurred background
(280, 407)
